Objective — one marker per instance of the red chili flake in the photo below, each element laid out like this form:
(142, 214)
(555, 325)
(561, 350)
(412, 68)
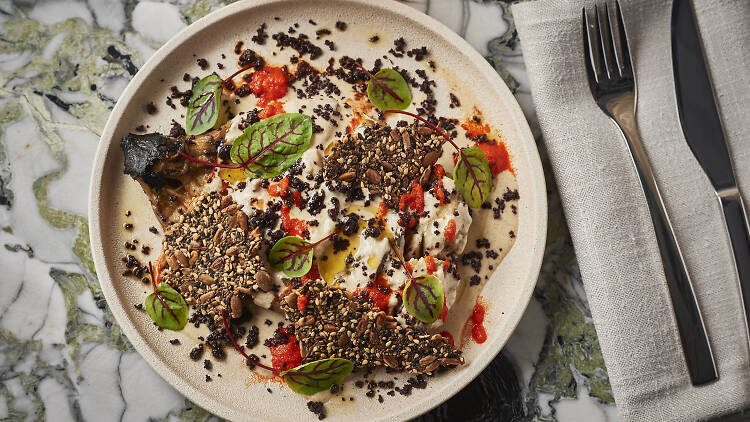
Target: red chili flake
(302, 302)
(279, 188)
(439, 171)
(297, 198)
(271, 109)
(450, 230)
(414, 199)
(430, 263)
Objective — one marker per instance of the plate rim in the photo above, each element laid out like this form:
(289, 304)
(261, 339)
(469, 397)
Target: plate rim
(534, 171)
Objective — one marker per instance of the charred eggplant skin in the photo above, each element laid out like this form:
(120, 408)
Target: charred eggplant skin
(142, 152)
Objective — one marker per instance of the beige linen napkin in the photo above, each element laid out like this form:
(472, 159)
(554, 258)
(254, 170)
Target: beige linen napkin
(606, 210)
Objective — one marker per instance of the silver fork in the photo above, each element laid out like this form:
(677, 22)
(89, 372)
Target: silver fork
(613, 85)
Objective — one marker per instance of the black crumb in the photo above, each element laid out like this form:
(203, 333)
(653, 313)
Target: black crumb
(176, 130)
(252, 337)
(261, 36)
(341, 26)
(418, 53)
(174, 342)
(454, 101)
(151, 108)
(320, 33)
(203, 63)
(197, 352)
(317, 408)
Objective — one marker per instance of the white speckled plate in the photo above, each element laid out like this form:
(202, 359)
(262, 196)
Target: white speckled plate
(237, 394)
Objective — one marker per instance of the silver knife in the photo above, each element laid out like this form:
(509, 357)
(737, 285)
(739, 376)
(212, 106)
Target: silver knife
(703, 131)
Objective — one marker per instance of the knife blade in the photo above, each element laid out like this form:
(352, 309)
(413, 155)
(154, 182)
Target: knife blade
(703, 131)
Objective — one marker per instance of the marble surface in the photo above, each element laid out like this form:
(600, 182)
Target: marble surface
(63, 65)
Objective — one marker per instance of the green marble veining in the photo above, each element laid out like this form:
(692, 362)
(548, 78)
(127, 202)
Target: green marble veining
(10, 112)
(16, 352)
(196, 10)
(571, 340)
(77, 331)
(502, 45)
(190, 412)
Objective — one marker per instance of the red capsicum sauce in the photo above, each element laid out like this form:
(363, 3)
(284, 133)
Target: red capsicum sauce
(474, 327)
(379, 293)
(444, 312)
(474, 128)
(268, 84)
(292, 226)
(495, 151)
(497, 155)
(286, 356)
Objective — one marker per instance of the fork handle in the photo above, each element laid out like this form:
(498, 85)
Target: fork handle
(698, 356)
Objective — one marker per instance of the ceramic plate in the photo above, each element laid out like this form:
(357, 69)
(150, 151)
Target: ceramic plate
(238, 394)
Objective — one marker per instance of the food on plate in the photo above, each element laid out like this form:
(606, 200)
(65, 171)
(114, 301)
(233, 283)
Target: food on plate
(331, 193)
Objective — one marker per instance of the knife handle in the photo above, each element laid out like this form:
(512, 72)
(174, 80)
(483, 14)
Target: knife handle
(735, 217)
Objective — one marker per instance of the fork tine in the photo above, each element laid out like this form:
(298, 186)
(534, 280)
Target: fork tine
(617, 40)
(626, 64)
(592, 47)
(605, 35)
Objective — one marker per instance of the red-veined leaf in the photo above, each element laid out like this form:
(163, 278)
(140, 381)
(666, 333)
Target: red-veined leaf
(472, 176)
(317, 376)
(203, 109)
(292, 255)
(423, 298)
(270, 146)
(167, 308)
(387, 89)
